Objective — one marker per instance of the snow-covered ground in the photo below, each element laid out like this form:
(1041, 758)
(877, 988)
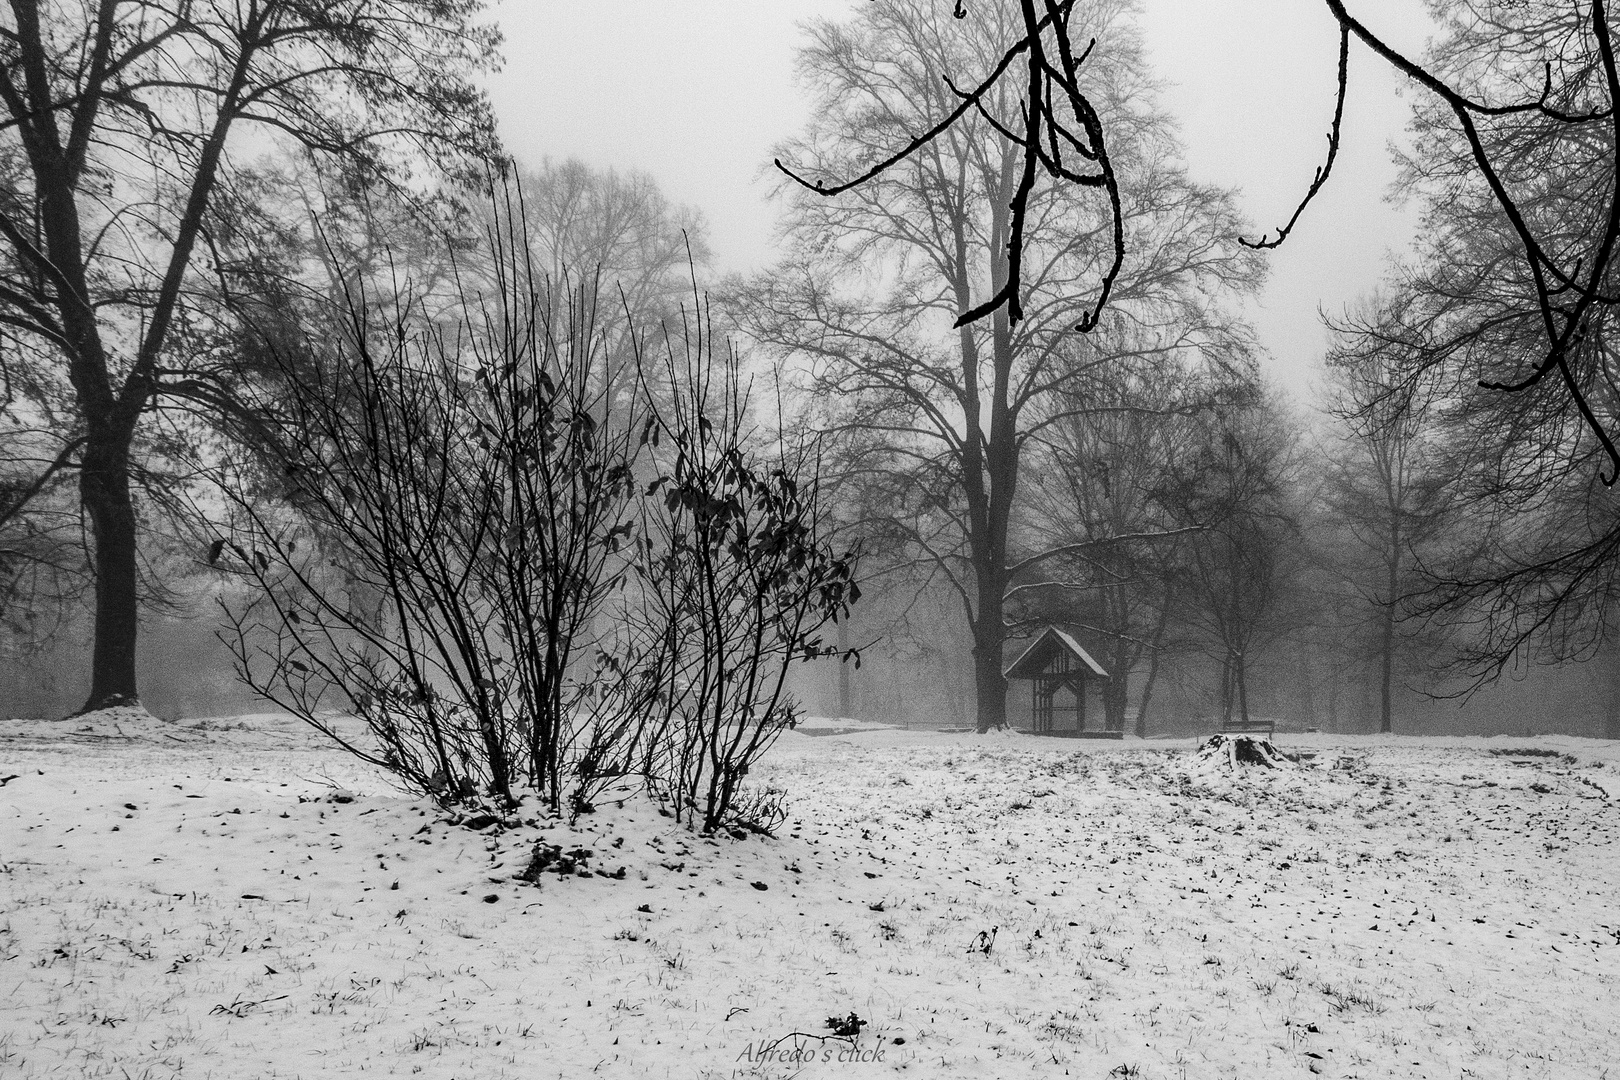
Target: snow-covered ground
(236, 900)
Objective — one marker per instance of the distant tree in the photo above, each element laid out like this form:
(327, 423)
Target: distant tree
(928, 309)
(1235, 478)
(1096, 493)
(613, 241)
(134, 135)
(587, 222)
(1506, 313)
(1384, 485)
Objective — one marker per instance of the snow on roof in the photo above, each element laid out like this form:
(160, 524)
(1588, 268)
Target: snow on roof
(1032, 659)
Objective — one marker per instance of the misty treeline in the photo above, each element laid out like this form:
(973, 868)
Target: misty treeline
(477, 456)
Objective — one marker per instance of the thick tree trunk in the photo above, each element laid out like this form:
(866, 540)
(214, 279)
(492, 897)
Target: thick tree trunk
(1147, 695)
(1115, 695)
(105, 495)
(989, 641)
(1116, 689)
(991, 686)
(989, 464)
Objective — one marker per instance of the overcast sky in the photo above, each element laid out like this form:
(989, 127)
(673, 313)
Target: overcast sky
(696, 92)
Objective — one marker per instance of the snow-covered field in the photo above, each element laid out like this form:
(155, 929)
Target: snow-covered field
(236, 900)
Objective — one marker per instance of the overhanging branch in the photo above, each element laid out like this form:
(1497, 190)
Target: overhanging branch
(1123, 538)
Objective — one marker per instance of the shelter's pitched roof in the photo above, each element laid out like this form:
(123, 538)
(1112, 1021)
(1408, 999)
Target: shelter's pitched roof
(1033, 660)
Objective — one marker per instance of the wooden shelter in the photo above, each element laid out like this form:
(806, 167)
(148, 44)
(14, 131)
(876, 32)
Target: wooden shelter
(1057, 664)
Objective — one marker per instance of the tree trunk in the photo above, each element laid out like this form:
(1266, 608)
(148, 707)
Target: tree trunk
(1387, 650)
(1611, 714)
(1115, 696)
(104, 493)
(1153, 665)
(1116, 690)
(989, 640)
(1333, 696)
(1386, 675)
(1366, 697)
(956, 684)
(1147, 695)
(991, 689)
(846, 702)
(1306, 687)
(1226, 688)
(1240, 671)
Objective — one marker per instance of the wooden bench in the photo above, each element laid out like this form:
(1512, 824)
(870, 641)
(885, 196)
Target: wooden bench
(1268, 728)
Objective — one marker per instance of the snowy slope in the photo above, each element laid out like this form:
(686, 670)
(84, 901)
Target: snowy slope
(237, 900)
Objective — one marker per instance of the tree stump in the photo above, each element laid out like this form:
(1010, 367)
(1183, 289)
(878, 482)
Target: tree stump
(1239, 750)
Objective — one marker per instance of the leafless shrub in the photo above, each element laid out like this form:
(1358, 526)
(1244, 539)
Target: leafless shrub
(463, 492)
(453, 505)
(735, 579)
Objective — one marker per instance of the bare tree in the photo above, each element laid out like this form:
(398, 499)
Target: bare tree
(1096, 494)
(616, 226)
(1234, 478)
(128, 126)
(1520, 89)
(1058, 119)
(929, 306)
(612, 231)
(1505, 314)
(1384, 486)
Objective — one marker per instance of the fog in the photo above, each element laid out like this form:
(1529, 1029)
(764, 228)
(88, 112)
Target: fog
(913, 674)
(697, 99)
